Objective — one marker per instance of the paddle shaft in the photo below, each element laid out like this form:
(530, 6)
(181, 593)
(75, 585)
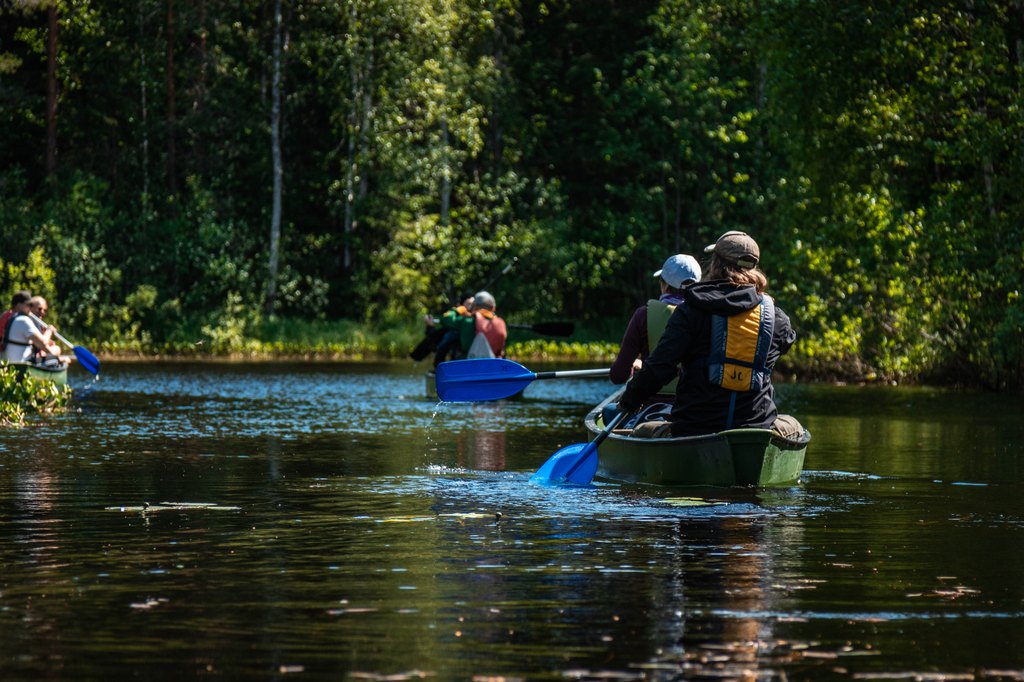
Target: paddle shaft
(591, 450)
(547, 328)
(572, 373)
(487, 285)
(55, 332)
(575, 464)
(504, 271)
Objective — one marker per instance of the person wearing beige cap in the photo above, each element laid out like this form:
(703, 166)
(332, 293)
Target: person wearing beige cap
(726, 335)
(648, 322)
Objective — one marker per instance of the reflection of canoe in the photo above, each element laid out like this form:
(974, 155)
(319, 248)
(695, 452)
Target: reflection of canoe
(751, 457)
(431, 388)
(58, 375)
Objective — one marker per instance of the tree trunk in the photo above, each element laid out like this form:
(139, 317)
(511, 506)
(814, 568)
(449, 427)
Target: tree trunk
(172, 171)
(197, 150)
(359, 120)
(275, 148)
(51, 91)
(353, 123)
(143, 116)
(446, 175)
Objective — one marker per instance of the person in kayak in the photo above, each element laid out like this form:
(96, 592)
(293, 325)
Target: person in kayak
(648, 322)
(726, 335)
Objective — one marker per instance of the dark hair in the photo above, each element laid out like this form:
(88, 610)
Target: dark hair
(678, 291)
(720, 269)
(20, 297)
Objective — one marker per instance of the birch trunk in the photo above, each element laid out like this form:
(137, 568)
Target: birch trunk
(275, 149)
(144, 117)
(51, 90)
(172, 124)
(446, 175)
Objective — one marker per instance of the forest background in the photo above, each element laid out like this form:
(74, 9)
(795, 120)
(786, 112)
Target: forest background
(316, 174)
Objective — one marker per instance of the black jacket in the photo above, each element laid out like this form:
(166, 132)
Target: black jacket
(700, 406)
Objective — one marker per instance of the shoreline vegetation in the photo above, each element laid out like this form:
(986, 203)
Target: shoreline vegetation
(21, 395)
(173, 185)
(348, 341)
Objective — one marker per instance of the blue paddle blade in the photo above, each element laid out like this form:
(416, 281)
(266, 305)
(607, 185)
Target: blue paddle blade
(574, 464)
(481, 379)
(89, 362)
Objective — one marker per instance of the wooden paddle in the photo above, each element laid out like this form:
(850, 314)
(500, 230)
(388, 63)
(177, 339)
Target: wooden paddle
(493, 379)
(574, 464)
(89, 362)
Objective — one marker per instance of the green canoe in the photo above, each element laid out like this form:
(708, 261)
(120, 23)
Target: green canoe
(738, 457)
(58, 375)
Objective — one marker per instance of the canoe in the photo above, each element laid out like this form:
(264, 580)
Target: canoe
(737, 457)
(57, 375)
(431, 387)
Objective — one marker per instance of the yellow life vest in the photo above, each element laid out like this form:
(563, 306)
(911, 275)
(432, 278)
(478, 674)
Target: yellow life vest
(739, 350)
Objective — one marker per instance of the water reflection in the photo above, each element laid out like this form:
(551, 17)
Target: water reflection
(329, 522)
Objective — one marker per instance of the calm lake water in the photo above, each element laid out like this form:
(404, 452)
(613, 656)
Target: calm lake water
(328, 522)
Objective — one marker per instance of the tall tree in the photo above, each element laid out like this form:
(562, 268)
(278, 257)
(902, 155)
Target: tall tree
(51, 89)
(278, 165)
(172, 123)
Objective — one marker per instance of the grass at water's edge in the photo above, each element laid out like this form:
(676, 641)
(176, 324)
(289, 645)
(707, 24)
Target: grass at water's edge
(337, 340)
(280, 339)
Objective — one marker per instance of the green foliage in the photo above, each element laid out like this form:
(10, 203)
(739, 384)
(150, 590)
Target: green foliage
(873, 149)
(22, 395)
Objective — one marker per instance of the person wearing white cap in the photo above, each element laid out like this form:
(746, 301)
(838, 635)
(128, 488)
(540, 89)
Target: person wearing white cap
(648, 322)
(726, 335)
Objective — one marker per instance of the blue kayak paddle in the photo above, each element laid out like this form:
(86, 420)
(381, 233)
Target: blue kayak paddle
(493, 379)
(574, 464)
(89, 362)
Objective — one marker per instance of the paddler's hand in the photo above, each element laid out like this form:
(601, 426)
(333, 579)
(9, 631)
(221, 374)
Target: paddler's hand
(626, 407)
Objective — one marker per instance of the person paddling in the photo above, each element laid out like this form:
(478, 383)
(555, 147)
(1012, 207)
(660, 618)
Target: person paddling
(727, 335)
(491, 331)
(648, 322)
(457, 323)
(21, 337)
(38, 306)
(21, 295)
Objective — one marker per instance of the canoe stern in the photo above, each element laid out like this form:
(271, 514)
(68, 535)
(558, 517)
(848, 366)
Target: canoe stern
(738, 457)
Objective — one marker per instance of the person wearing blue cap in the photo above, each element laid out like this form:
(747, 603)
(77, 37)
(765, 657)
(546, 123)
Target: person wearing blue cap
(648, 322)
(726, 335)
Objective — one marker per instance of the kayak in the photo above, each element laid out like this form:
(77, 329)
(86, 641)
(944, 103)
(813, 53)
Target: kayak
(57, 374)
(737, 457)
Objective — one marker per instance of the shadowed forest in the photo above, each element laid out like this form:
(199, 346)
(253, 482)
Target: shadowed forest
(236, 172)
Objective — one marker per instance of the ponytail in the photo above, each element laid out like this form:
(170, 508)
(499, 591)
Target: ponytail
(721, 270)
